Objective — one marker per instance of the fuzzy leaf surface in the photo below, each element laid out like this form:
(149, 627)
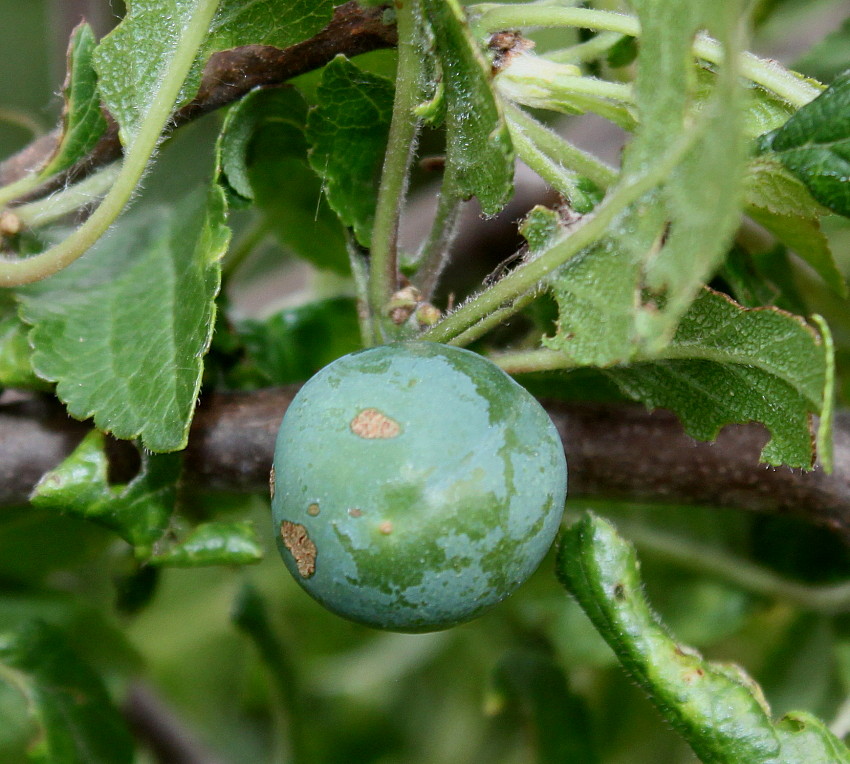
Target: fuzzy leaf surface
(814, 144)
(262, 155)
(138, 512)
(730, 364)
(218, 543)
(82, 121)
(348, 133)
(124, 329)
(643, 276)
(134, 58)
(479, 153)
(76, 719)
(715, 707)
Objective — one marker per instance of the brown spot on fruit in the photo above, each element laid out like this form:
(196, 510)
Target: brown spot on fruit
(313, 509)
(271, 482)
(354, 512)
(371, 424)
(386, 527)
(300, 546)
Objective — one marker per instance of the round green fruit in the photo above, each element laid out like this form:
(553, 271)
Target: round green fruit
(415, 485)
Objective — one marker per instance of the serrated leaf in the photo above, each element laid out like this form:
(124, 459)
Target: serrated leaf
(16, 357)
(814, 144)
(139, 512)
(698, 208)
(76, 719)
(807, 740)
(730, 364)
(348, 133)
(132, 60)
(262, 154)
(295, 343)
(626, 294)
(282, 109)
(216, 543)
(123, 330)
(781, 203)
(715, 707)
(83, 122)
(478, 146)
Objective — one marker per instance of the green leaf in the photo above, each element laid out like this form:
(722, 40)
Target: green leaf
(213, 544)
(139, 512)
(558, 719)
(83, 122)
(133, 59)
(478, 146)
(781, 203)
(295, 343)
(829, 57)
(262, 153)
(730, 364)
(16, 357)
(698, 210)
(715, 707)
(78, 724)
(625, 295)
(348, 133)
(814, 144)
(123, 331)
(807, 740)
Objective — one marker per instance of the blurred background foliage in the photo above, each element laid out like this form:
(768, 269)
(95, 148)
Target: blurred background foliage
(251, 670)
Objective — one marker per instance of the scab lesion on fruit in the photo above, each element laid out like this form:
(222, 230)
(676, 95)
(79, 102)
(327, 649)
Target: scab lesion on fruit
(355, 512)
(386, 527)
(301, 547)
(271, 482)
(313, 509)
(372, 423)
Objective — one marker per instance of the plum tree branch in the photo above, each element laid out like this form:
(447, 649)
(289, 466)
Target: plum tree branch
(229, 75)
(613, 451)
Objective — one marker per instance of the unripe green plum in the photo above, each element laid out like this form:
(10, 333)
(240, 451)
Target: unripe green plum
(415, 485)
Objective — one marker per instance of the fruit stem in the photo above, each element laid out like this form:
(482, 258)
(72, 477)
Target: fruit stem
(383, 262)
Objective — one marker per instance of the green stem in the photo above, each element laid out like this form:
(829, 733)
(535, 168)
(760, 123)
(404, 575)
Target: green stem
(383, 268)
(829, 598)
(58, 205)
(524, 361)
(590, 50)
(527, 277)
(497, 317)
(435, 251)
(492, 17)
(54, 259)
(19, 188)
(360, 274)
(548, 154)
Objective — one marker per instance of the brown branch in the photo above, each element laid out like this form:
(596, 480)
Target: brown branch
(229, 75)
(613, 452)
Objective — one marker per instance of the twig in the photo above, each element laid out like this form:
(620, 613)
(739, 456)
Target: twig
(613, 451)
(228, 76)
(154, 724)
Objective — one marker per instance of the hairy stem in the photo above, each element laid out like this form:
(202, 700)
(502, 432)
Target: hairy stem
(435, 251)
(383, 268)
(493, 17)
(62, 203)
(552, 145)
(526, 277)
(54, 259)
(496, 318)
(596, 47)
